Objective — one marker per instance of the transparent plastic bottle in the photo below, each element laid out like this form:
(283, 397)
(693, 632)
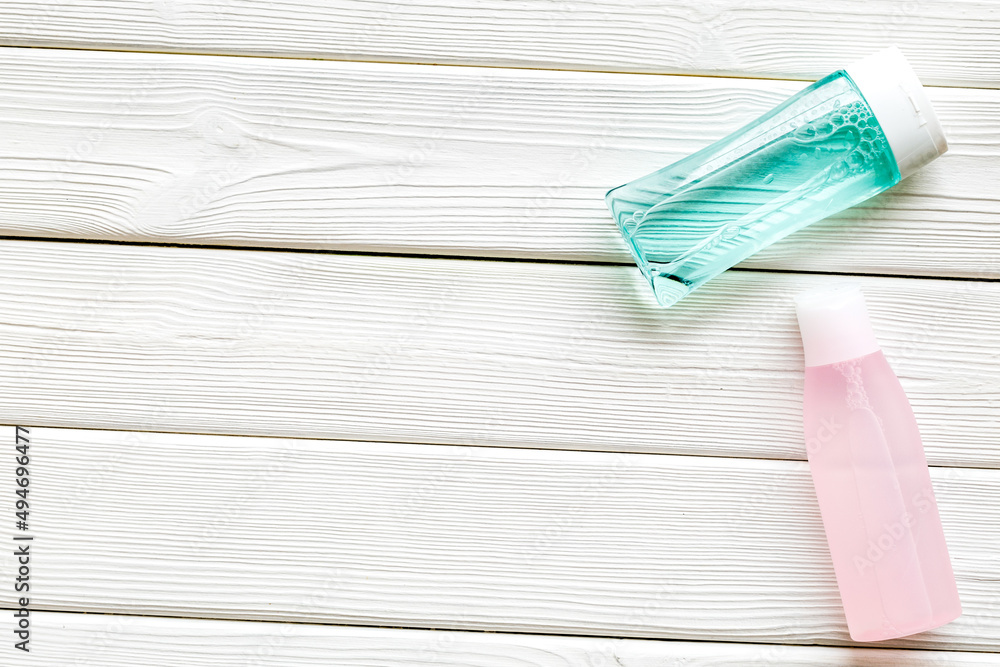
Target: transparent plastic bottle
(871, 477)
(836, 143)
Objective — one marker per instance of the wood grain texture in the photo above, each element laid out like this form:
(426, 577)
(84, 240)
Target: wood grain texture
(448, 537)
(429, 160)
(460, 352)
(953, 43)
(124, 641)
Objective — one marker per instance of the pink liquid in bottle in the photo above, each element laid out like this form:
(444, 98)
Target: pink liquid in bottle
(871, 477)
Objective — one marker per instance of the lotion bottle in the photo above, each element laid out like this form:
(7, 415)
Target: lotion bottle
(830, 146)
(871, 478)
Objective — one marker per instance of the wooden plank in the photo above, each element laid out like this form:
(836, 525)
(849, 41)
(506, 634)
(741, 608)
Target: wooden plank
(953, 43)
(113, 641)
(428, 160)
(499, 539)
(447, 351)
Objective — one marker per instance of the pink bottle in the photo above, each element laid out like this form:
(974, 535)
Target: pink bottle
(871, 477)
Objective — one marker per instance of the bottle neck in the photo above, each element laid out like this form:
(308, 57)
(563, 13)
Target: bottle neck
(834, 325)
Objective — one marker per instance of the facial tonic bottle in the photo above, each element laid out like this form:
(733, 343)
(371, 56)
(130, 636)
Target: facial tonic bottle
(836, 143)
(871, 477)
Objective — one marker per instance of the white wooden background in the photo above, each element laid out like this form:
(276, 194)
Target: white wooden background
(332, 354)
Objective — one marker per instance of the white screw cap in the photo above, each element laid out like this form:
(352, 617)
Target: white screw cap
(834, 324)
(900, 104)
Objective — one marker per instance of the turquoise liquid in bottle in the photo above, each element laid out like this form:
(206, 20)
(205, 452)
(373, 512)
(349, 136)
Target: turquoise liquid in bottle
(819, 152)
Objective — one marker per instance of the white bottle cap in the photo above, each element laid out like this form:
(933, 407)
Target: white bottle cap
(834, 324)
(901, 107)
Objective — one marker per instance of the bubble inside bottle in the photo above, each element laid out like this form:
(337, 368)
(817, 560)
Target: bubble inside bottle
(848, 130)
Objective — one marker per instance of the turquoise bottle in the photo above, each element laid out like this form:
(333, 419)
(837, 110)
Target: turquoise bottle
(836, 143)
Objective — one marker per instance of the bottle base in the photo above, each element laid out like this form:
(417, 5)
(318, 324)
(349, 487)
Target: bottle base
(669, 289)
(882, 634)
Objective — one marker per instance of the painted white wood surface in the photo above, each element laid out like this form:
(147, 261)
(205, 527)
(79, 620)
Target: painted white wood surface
(463, 352)
(537, 361)
(950, 42)
(429, 160)
(126, 641)
(448, 537)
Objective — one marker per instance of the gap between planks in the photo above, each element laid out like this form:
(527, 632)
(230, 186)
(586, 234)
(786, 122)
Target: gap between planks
(728, 75)
(473, 258)
(944, 466)
(155, 642)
